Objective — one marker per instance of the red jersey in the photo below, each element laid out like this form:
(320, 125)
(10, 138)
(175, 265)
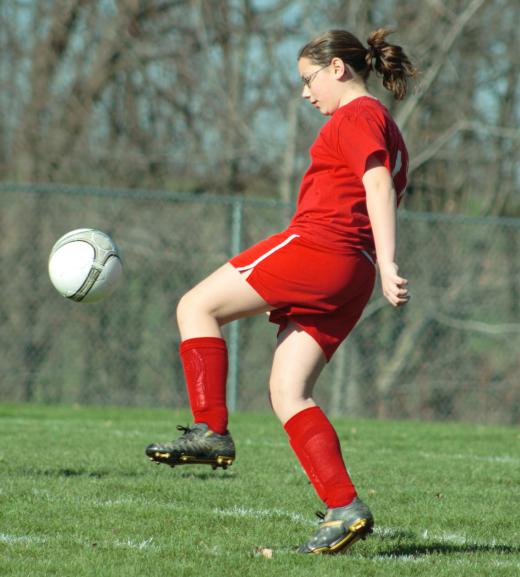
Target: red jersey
(331, 209)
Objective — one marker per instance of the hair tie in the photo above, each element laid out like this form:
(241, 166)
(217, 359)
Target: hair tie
(370, 55)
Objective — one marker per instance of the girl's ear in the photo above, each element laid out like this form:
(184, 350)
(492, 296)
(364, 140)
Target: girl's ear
(341, 70)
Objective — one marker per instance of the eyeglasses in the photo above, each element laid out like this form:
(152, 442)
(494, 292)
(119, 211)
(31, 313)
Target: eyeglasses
(308, 79)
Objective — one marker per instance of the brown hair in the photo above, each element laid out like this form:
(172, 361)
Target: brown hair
(388, 60)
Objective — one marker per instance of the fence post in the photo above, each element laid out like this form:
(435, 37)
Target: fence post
(237, 213)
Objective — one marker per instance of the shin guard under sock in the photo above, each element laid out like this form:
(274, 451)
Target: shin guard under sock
(205, 363)
(316, 444)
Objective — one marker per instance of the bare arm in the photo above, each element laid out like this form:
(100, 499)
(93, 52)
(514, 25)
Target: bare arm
(381, 205)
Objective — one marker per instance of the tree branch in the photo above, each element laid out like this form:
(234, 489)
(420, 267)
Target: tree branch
(444, 49)
(477, 326)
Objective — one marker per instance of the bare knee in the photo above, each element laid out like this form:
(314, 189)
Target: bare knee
(186, 307)
(288, 397)
(194, 314)
(282, 399)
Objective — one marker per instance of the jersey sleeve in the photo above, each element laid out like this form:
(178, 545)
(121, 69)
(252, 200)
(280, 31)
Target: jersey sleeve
(359, 138)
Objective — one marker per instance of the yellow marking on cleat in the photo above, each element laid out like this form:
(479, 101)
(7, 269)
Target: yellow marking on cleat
(331, 523)
(358, 525)
(355, 532)
(160, 455)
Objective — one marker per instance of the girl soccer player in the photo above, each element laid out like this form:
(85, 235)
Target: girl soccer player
(314, 278)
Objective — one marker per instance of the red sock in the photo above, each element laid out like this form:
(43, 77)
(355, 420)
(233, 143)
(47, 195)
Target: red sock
(205, 363)
(317, 447)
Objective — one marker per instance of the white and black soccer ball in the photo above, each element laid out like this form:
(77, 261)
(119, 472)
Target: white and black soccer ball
(85, 265)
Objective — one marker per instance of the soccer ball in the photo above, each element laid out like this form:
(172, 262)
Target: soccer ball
(84, 265)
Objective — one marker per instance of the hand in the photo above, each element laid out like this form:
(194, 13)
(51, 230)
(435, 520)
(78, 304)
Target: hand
(394, 287)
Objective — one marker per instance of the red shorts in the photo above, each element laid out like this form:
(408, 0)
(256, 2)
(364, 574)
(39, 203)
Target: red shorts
(324, 293)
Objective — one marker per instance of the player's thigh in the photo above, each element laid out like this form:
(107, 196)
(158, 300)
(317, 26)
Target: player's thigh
(297, 363)
(225, 294)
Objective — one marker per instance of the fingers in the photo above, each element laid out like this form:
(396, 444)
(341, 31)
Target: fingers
(395, 287)
(397, 301)
(396, 291)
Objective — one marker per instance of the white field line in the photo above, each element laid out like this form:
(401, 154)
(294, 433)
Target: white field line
(149, 545)
(424, 535)
(503, 459)
(24, 539)
(139, 545)
(234, 511)
(437, 537)
(255, 513)
(401, 558)
(8, 539)
(501, 563)
(119, 502)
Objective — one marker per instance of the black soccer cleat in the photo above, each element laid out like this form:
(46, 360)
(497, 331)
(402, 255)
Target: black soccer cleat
(197, 445)
(340, 528)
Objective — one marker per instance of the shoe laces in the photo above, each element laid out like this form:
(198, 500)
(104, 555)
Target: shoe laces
(320, 515)
(185, 430)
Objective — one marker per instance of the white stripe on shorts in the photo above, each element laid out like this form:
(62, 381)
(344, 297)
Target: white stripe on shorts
(268, 253)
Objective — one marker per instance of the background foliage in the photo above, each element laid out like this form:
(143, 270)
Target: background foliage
(196, 95)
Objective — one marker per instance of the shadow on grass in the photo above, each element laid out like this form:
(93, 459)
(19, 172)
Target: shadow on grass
(92, 473)
(85, 473)
(412, 550)
(69, 472)
(206, 475)
(415, 550)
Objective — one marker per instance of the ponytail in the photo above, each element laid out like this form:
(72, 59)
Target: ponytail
(390, 62)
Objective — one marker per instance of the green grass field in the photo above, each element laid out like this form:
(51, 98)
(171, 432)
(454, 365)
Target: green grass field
(79, 498)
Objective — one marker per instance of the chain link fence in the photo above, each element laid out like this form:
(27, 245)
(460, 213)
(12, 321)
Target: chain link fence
(452, 353)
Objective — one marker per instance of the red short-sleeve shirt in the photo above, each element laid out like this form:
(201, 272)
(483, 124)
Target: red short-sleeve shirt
(331, 209)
